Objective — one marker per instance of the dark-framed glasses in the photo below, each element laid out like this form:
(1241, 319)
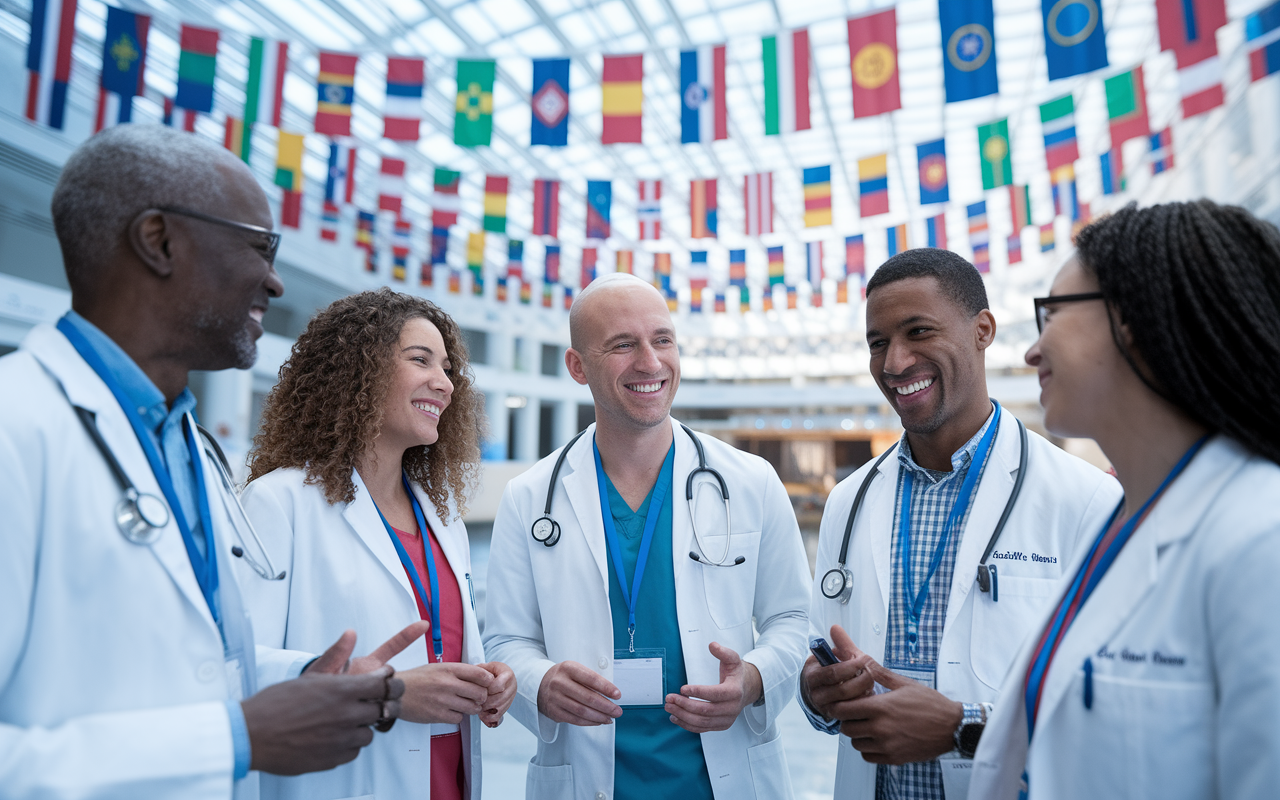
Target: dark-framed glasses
(270, 240)
(1043, 304)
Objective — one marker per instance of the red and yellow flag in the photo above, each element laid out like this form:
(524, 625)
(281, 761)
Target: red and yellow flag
(873, 53)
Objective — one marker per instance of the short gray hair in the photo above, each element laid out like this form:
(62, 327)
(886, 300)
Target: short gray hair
(121, 172)
(613, 279)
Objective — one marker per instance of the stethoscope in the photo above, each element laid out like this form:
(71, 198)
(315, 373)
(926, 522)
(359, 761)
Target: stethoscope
(142, 517)
(547, 531)
(837, 583)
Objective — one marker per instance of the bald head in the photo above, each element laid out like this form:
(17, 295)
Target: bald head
(125, 170)
(606, 291)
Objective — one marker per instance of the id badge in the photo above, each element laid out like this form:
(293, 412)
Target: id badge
(639, 676)
(235, 679)
(924, 677)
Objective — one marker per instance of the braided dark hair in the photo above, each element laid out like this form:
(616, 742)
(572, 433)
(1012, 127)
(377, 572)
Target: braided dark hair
(1198, 285)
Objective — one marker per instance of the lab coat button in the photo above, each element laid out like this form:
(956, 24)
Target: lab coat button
(207, 671)
(876, 628)
(601, 795)
(603, 662)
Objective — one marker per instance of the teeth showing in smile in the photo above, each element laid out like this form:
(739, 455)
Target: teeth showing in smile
(430, 409)
(645, 388)
(914, 387)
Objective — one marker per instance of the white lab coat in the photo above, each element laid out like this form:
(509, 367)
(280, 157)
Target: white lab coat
(113, 682)
(1182, 638)
(343, 572)
(551, 604)
(1063, 499)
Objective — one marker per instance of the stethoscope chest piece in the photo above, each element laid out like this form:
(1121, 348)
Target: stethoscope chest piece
(546, 530)
(837, 584)
(141, 517)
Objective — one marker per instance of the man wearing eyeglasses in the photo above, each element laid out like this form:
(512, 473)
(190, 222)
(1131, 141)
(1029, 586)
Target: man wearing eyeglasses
(924, 605)
(127, 665)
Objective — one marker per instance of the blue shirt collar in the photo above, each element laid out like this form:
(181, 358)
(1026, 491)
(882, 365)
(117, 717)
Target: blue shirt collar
(959, 459)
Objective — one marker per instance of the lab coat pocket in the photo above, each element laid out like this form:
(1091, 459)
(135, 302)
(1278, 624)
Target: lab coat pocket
(769, 770)
(730, 589)
(999, 627)
(548, 783)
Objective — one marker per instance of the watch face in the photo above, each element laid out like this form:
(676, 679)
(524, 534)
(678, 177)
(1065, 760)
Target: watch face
(970, 735)
(542, 529)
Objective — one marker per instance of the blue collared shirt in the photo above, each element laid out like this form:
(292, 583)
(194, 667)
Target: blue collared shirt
(165, 424)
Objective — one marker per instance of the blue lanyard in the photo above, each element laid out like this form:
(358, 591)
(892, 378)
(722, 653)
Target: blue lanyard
(656, 502)
(1044, 657)
(433, 602)
(205, 567)
(914, 603)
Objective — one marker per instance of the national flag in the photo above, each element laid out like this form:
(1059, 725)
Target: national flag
(53, 32)
(455, 281)
(264, 89)
(550, 103)
(590, 266)
(550, 273)
(777, 266)
(329, 220)
(289, 162)
(1015, 248)
(1058, 124)
(897, 239)
(703, 116)
(622, 99)
(526, 293)
(766, 299)
(993, 147)
(1082, 221)
(599, 205)
(197, 66)
(1127, 106)
(1020, 206)
(738, 268)
(968, 49)
(1262, 36)
(568, 298)
(757, 198)
(979, 236)
(546, 208)
(402, 114)
(793, 299)
(401, 237)
(167, 118)
(702, 209)
(235, 137)
(1161, 151)
(439, 245)
(495, 203)
(813, 260)
(124, 60)
(1065, 201)
(445, 203)
(1046, 238)
(515, 268)
(936, 229)
(786, 81)
(817, 196)
(649, 210)
(873, 185)
(873, 52)
(473, 110)
(364, 238)
(391, 185)
(699, 276)
(335, 93)
(1074, 37)
(720, 306)
(932, 160)
(291, 209)
(340, 182)
(855, 255)
(475, 261)
(662, 272)
(842, 292)
(1187, 28)
(626, 262)
(1200, 85)
(1112, 171)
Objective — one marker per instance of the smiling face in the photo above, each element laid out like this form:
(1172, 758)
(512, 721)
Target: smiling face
(628, 354)
(926, 352)
(420, 388)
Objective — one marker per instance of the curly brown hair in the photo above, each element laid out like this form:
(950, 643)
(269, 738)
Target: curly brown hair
(326, 410)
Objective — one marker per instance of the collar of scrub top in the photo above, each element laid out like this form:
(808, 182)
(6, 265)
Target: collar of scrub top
(432, 601)
(656, 502)
(914, 602)
(205, 565)
(1085, 582)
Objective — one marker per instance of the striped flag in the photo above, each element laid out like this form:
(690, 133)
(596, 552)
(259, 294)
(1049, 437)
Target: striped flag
(546, 208)
(1065, 201)
(626, 262)
(335, 93)
(793, 297)
(475, 261)
(873, 185)
(817, 196)
(994, 150)
(777, 266)
(340, 183)
(703, 116)
(455, 281)
(402, 114)
(842, 292)
(1020, 207)
(550, 102)
(932, 160)
(873, 51)
(590, 266)
(439, 245)
(702, 209)
(1161, 151)
(1015, 248)
(1200, 85)
(662, 271)
(649, 210)
(391, 185)
(896, 236)
(855, 256)
(444, 198)
(1058, 124)
(936, 228)
(1262, 37)
(197, 68)
(289, 162)
(738, 268)
(757, 197)
(401, 237)
(473, 107)
(550, 273)
(1187, 28)
(53, 32)
(124, 60)
(813, 257)
(786, 82)
(364, 238)
(720, 305)
(1112, 171)
(568, 298)
(495, 203)
(291, 209)
(599, 205)
(623, 99)
(1046, 238)
(264, 90)
(1127, 106)
(515, 266)
(699, 276)
(329, 220)
(979, 236)
(236, 137)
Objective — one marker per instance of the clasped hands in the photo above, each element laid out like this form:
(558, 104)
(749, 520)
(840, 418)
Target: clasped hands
(908, 723)
(573, 693)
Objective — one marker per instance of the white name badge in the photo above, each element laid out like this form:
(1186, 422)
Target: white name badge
(639, 679)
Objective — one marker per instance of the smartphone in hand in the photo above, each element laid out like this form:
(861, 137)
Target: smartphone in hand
(822, 651)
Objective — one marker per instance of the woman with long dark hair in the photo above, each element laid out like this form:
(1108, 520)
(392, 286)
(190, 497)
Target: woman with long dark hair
(358, 477)
(1157, 672)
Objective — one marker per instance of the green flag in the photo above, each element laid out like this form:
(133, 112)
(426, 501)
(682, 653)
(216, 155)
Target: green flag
(473, 122)
(993, 147)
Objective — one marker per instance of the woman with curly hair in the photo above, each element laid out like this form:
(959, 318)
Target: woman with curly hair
(358, 478)
(1155, 672)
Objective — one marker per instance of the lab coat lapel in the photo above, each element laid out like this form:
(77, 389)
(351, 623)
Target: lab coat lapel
(686, 460)
(878, 504)
(362, 515)
(580, 486)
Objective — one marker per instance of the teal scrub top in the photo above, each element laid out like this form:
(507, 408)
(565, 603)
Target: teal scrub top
(653, 757)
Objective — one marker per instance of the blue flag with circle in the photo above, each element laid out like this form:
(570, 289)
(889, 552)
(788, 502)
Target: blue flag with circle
(1075, 41)
(968, 48)
(550, 102)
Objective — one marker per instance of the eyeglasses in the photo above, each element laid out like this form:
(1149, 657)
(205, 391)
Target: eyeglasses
(268, 247)
(1043, 303)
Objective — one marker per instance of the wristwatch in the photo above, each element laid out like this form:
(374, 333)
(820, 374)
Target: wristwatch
(971, 726)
